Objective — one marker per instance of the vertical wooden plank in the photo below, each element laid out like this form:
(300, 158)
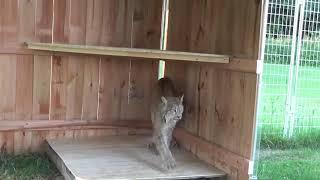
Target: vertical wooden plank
(75, 73)
(9, 30)
(41, 87)
(2, 142)
(91, 64)
(207, 100)
(228, 116)
(185, 75)
(27, 20)
(22, 141)
(114, 73)
(61, 19)
(42, 64)
(61, 31)
(8, 86)
(248, 122)
(95, 11)
(58, 108)
(1, 22)
(24, 86)
(113, 88)
(24, 74)
(90, 88)
(146, 29)
(69, 27)
(74, 87)
(7, 142)
(179, 25)
(44, 18)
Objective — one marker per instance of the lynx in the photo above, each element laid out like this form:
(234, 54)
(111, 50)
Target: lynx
(166, 111)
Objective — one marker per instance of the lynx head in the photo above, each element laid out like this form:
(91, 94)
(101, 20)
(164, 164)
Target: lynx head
(172, 108)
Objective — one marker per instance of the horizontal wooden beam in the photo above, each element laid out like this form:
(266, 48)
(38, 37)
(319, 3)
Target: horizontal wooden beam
(242, 65)
(50, 124)
(129, 52)
(212, 153)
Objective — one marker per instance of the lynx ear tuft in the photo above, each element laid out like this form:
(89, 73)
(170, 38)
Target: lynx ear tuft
(164, 100)
(181, 99)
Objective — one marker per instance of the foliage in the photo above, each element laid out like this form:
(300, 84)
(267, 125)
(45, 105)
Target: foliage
(27, 167)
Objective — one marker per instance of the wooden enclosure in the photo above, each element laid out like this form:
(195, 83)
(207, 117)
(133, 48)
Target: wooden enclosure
(49, 95)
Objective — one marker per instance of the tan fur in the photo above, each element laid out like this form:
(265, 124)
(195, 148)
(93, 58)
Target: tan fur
(166, 111)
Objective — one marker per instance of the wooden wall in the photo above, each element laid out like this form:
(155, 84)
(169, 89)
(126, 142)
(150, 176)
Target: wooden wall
(50, 96)
(220, 99)
(40, 90)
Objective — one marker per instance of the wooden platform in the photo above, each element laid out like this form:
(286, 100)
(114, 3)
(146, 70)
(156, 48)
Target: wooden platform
(122, 157)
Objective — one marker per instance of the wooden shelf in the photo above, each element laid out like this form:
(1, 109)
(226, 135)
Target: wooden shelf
(129, 52)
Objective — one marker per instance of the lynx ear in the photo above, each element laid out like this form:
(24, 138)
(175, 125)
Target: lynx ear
(181, 99)
(164, 100)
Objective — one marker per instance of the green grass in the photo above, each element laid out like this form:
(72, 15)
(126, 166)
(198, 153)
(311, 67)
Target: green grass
(300, 140)
(27, 167)
(298, 164)
(274, 94)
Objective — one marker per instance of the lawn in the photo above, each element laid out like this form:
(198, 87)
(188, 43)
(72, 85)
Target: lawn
(27, 167)
(274, 94)
(298, 157)
(298, 164)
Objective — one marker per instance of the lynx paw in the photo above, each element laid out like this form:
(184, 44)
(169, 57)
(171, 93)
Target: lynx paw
(170, 164)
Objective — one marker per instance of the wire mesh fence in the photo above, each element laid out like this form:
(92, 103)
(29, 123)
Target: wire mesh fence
(290, 90)
(275, 77)
(307, 116)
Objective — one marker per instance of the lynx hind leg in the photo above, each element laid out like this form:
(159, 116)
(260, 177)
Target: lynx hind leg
(174, 144)
(152, 147)
(166, 155)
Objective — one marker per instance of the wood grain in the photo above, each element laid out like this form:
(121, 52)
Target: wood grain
(24, 87)
(136, 53)
(145, 33)
(90, 89)
(44, 19)
(42, 63)
(9, 23)
(231, 163)
(27, 20)
(75, 67)
(32, 140)
(92, 64)
(58, 109)
(114, 72)
(41, 87)
(222, 96)
(123, 152)
(8, 64)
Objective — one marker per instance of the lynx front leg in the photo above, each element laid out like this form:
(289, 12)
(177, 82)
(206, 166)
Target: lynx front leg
(165, 154)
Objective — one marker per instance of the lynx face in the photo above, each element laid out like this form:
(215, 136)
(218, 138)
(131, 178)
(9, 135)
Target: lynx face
(172, 109)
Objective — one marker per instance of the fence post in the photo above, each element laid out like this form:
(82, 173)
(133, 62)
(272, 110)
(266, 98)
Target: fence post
(297, 65)
(289, 116)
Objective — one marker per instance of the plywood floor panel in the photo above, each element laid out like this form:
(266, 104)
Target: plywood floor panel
(123, 157)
